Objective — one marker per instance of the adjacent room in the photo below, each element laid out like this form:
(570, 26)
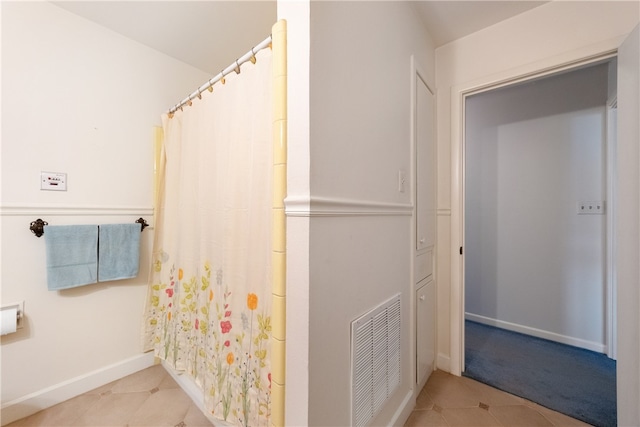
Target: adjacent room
(539, 174)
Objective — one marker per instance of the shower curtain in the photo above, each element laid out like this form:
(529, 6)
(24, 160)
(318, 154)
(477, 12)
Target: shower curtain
(209, 300)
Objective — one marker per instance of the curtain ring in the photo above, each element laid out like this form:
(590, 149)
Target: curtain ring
(199, 94)
(253, 56)
(237, 69)
(222, 80)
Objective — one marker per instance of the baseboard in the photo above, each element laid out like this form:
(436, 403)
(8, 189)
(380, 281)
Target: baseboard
(539, 333)
(189, 386)
(444, 362)
(58, 393)
(407, 406)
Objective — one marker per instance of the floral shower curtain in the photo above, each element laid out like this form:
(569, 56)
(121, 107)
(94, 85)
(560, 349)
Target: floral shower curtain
(208, 306)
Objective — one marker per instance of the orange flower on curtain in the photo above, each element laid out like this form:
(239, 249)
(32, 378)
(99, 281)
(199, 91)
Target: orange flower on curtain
(208, 309)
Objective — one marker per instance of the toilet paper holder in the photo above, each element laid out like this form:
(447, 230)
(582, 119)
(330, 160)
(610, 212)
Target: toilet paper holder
(19, 307)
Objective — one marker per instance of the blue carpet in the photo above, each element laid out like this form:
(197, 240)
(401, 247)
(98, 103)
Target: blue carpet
(576, 382)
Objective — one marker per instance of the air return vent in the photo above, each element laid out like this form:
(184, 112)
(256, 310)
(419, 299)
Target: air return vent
(375, 360)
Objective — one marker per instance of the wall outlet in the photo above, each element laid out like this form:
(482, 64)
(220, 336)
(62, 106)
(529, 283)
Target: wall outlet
(591, 208)
(53, 181)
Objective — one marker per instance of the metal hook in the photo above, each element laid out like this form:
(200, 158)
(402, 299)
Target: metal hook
(143, 223)
(237, 69)
(222, 80)
(37, 227)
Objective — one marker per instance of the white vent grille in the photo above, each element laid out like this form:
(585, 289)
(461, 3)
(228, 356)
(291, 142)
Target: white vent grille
(375, 363)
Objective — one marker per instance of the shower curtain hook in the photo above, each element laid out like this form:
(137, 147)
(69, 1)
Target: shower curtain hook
(222, 80)
(237, 69)
(253, 56)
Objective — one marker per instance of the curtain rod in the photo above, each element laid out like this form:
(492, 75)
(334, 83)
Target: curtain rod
(235, 66)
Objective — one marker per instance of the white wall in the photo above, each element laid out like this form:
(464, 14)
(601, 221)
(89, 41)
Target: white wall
(359, 241)
(532, 152)
(79, 99)
(547, 36)
(297, 14)
(627, 243)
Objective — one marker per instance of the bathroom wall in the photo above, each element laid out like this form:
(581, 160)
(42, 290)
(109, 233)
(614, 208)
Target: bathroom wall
(79, 99)
(352, 244)
(533, 151)
(554, 33)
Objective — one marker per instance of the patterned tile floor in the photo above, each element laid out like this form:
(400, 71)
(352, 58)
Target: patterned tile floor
(152, 398)
(147, 398)
(447, 400)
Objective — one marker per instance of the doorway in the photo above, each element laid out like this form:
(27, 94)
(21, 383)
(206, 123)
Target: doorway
(628, 205)
(536, 208)
(536, 183)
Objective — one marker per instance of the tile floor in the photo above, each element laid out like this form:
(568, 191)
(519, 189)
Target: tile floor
(152, 398)
(447, 400)
(147, 398)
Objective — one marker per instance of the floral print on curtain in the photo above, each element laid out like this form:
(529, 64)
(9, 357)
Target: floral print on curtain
(208, 311)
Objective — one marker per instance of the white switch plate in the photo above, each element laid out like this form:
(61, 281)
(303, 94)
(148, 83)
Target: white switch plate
(402, 178)
(53, 181)
(591, 208)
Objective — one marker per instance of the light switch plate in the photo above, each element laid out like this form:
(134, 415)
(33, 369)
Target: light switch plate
(53, 181)
(402, 180)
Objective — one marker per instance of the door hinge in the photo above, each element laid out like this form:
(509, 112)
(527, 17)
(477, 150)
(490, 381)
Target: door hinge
(460, 250)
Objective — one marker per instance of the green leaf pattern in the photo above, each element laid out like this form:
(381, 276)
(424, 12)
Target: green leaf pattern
(219, 337)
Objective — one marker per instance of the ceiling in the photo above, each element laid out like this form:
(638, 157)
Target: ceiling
(210, 35)
(450, 20)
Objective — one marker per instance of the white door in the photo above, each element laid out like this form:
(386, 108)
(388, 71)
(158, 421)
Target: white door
(425, 332)
(425, 167)
(628, 231)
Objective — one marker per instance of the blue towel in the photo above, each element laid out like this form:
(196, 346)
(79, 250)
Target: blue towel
(72, 255)
(118, 251)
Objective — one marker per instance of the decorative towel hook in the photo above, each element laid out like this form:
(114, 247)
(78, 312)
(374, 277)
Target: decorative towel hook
(37, 227)
(143, 223)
